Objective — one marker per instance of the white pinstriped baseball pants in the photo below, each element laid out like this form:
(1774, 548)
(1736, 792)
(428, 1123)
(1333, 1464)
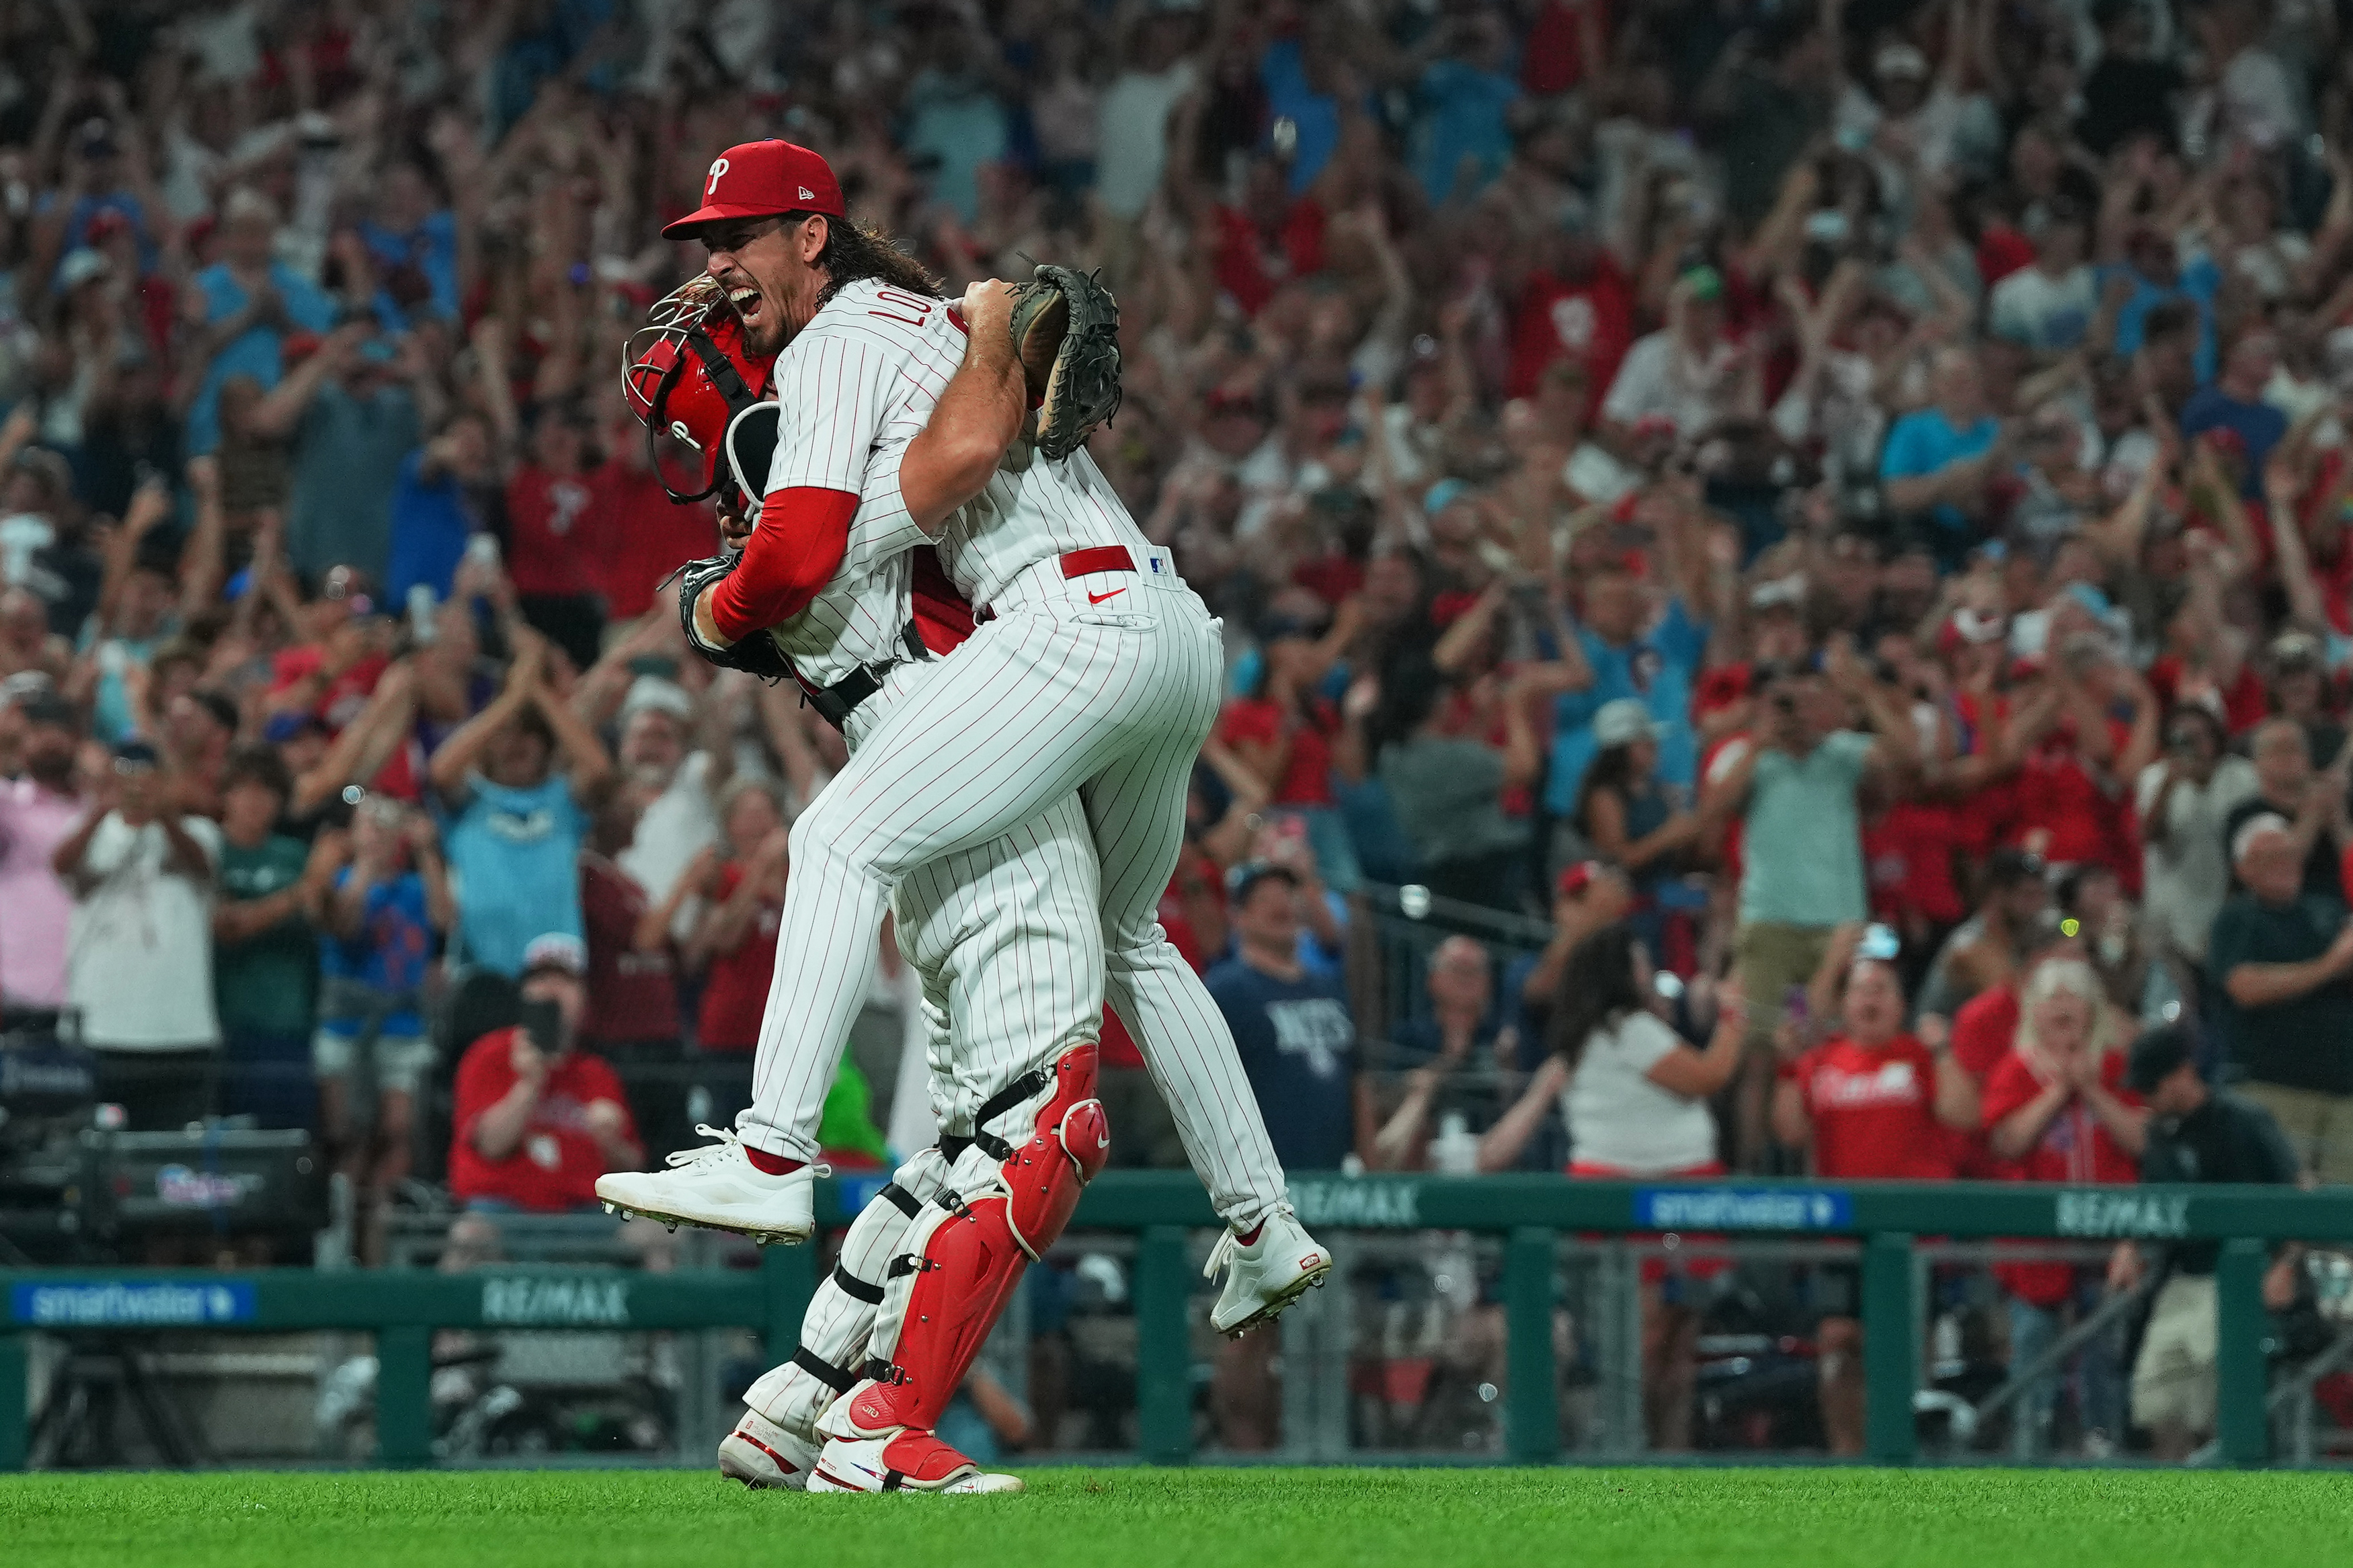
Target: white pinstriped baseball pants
(1052, 696)
(1005, 937)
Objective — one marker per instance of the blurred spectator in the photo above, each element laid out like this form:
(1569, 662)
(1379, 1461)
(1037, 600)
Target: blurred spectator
(38, 811)
(382, 914)
(674, 763)
(1450, 1058)
(1794, 787)
(2288, 788)
(557, 534)
(437, 506)
(2184, 799)
(2195, 1133)
(1984, 952)
(141, 875)
(1448, 789)
(1585, 896)
(742, 887)
(348, 415)
(1292, 1028)
(266, 954)
(1635, 1101)
(632, 1016)
(1869, 1101)
(1623, 814)
(1940, 460)
(515, 826)
(1621, 659)
(242, 309)
(2281, 960)
(2056, 1110)
(536, 1121)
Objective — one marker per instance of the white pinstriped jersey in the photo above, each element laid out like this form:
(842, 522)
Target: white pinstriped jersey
(857, 383)
(1032, 511)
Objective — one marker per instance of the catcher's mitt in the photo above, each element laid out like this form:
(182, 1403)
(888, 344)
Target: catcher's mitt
(1066, 330)
(758, 654)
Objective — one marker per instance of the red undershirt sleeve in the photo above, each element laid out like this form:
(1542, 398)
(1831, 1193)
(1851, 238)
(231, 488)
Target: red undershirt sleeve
(793, 551)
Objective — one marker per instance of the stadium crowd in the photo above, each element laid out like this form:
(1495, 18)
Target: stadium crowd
(1816, 534)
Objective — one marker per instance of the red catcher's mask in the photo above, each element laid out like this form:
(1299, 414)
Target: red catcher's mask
(687, 377)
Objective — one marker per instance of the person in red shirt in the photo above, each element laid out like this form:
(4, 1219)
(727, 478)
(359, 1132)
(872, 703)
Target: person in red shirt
(1576, 305)
(647, 536)
(1268, 239)
(1985, 1026)
(1873, 1104)
(556, 535)
(737, 935)
(2056, 1110)
(537, 1120)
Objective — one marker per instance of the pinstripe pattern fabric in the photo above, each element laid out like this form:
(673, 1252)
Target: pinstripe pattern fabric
(855, 385)
(1005, 939)
(836, 1324)
(1054, 695)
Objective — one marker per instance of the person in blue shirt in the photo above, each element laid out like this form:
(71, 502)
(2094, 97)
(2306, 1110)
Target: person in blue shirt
(433, 512)
(2235, 403)
(1655, 667)
(1291, 1028)
(2154, 272)
(1939, 459)
(243, 306)
(1461, 141)
(414, 243)
(1302, 78)
(512, 822)
(387, 908)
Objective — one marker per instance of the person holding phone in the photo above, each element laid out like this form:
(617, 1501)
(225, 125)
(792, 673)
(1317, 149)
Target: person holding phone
(383, 915)
(537, 1120)
(142, 872)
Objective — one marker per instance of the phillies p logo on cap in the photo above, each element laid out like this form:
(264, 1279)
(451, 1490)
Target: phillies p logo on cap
(762, 179)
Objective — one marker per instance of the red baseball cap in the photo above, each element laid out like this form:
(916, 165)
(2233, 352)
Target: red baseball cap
(762, 179)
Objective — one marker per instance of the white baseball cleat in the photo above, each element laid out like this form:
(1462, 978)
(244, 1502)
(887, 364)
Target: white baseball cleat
(717, 1187)
(909, 1461)
(764, 1456)
(1265, 1276)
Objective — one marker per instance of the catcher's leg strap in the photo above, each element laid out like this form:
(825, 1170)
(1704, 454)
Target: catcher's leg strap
(964, 1260)
(831, 1358)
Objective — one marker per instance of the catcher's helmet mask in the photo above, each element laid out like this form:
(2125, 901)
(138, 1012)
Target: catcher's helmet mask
(687, 379)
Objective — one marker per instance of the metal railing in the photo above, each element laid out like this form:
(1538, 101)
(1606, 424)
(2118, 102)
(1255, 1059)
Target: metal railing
(1530, 1214)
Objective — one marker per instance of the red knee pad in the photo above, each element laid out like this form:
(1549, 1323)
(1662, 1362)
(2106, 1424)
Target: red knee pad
(1068, 1148)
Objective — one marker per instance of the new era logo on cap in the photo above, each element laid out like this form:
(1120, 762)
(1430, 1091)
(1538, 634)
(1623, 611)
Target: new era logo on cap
(762, 179)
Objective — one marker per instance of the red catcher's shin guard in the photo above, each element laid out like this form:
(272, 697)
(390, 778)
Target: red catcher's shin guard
(969, 1271)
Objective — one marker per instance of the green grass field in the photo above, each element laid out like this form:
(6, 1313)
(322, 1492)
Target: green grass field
(1196, 1519)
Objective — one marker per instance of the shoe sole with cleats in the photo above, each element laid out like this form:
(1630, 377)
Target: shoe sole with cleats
(672, 1221)
(1282, 1300)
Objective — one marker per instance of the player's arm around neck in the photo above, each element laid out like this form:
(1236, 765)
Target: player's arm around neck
(979, 414)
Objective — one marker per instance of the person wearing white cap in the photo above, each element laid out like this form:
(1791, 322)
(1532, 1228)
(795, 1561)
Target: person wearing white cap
(536, 1121)
(2282, 960)
(1623, 810)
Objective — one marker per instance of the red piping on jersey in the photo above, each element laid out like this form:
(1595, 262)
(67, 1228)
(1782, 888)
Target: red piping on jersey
(793, 551)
